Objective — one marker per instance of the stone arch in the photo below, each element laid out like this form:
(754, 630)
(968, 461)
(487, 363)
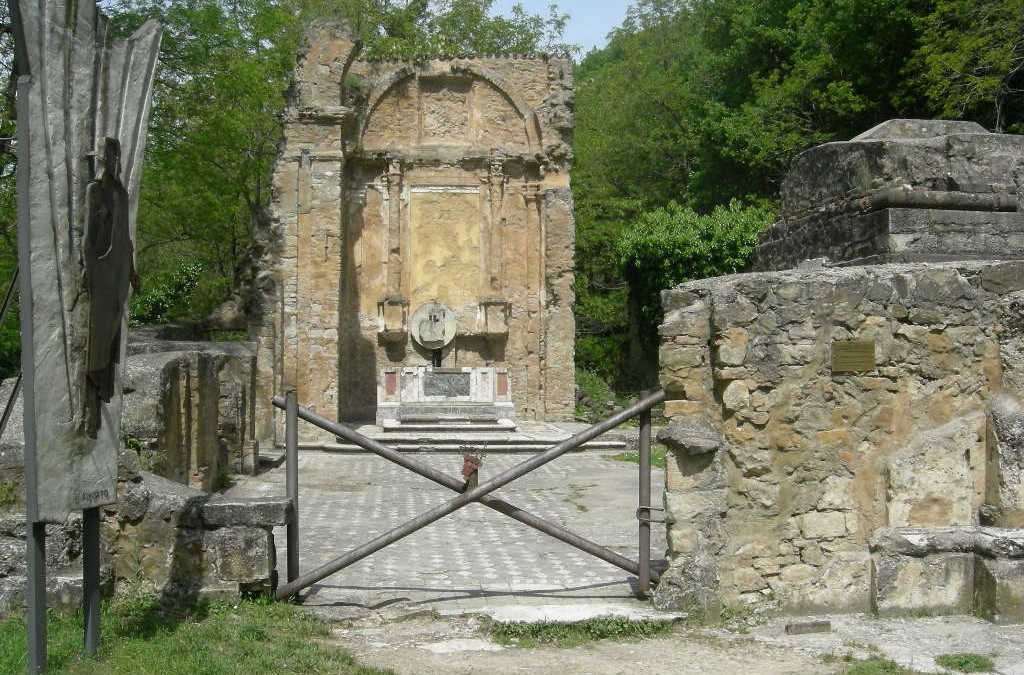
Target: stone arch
(475, 72)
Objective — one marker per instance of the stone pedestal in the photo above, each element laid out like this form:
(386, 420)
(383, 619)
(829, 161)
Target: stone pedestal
(423, 396)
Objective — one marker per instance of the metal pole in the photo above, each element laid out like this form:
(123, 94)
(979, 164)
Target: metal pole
(9, 408)
(465, 498)
(291, 436)
(36, 597)
(456, 485)
(9, 297)
(91, 578)
(644, 512)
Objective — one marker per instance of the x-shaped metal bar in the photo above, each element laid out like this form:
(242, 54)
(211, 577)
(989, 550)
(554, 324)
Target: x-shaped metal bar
(481, 493)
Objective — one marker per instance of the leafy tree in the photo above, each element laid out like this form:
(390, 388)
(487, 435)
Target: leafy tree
(217, 103)
(166, 297)
(10, 336)
(673, 244)
(971, 61)
(213, 135)
(699, 102)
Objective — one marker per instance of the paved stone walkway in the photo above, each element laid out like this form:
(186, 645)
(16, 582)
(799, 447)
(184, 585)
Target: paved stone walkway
(474, 559)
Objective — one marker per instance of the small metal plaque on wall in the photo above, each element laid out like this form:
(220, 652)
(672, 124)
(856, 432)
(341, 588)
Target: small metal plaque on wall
(853, 356)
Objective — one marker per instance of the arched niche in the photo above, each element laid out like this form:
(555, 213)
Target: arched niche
(464, 108)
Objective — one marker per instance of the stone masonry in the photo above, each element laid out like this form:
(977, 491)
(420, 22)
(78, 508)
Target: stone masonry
(821, 418)
(400, 184)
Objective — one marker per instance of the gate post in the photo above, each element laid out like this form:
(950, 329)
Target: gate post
(644, 512)
(291, 439)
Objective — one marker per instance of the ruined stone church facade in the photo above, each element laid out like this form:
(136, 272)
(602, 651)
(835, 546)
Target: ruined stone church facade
(404, 185)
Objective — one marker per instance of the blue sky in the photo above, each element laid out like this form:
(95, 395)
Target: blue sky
(589, 20)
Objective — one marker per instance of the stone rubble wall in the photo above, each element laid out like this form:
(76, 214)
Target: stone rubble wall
(188, 414)
(781, 469)
(187, 544)
(176, 540)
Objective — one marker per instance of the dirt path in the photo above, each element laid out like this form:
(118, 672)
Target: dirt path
(454, 646)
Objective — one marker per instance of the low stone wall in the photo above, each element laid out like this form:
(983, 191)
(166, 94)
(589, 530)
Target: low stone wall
(183, 543)
(186, 543)
(783, 465)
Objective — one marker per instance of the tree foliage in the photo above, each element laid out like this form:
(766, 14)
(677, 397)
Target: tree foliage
(673, 244)
(971, 61)
(218, 100)
(213, 135)
(695, 103)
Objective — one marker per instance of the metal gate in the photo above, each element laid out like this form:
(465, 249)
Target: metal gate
(468, 492)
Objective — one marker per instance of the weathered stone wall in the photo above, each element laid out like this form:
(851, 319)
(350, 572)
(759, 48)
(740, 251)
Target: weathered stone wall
(180, 542)
(904, 191)
(782, 467)
(399, 184)
(189, 407)
(185, 543)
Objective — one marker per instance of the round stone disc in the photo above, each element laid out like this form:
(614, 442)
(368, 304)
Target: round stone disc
(433, 325)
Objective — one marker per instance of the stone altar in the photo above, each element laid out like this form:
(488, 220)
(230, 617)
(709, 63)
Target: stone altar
(423, 395)
(403, 184)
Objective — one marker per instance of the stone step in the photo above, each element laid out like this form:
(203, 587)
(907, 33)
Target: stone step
(532, 437)
(460, 446)
(448, 426)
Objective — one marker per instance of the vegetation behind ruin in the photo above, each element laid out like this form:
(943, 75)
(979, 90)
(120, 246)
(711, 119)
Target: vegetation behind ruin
(685, 123)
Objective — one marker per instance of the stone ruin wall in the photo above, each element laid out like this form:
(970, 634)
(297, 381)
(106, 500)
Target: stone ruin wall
(896, 487)
(399, 184)
(784, 469)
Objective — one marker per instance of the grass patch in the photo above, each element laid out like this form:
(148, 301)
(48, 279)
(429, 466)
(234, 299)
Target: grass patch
(140, 636)
(966, 662)
(8, 493)
(576, 494)
(877, 666)
(658, 453)
(525, 634)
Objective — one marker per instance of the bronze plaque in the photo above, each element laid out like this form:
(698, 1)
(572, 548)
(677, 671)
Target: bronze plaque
(853, 356)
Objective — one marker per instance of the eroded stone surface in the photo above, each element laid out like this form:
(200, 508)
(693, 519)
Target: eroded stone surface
(442, 181)
(813, 461)
(907, 190)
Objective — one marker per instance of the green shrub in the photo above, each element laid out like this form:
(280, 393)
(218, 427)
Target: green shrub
(593, 396)
(966, 662)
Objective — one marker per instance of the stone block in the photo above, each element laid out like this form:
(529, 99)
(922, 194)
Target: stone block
(240, 555)
(999, 589)
(823, 525)
(736, 395)
(1006, 463)
(999, 542)
(262, 512)
(842, 584)
(690, 584)
(937, 583)
(695, 437)
(931, 480)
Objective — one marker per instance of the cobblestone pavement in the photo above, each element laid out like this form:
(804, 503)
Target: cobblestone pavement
(474, 558)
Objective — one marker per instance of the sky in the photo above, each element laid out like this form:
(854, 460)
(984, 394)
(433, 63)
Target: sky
(589, 20)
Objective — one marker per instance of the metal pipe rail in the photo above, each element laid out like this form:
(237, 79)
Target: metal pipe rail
(481, 493)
